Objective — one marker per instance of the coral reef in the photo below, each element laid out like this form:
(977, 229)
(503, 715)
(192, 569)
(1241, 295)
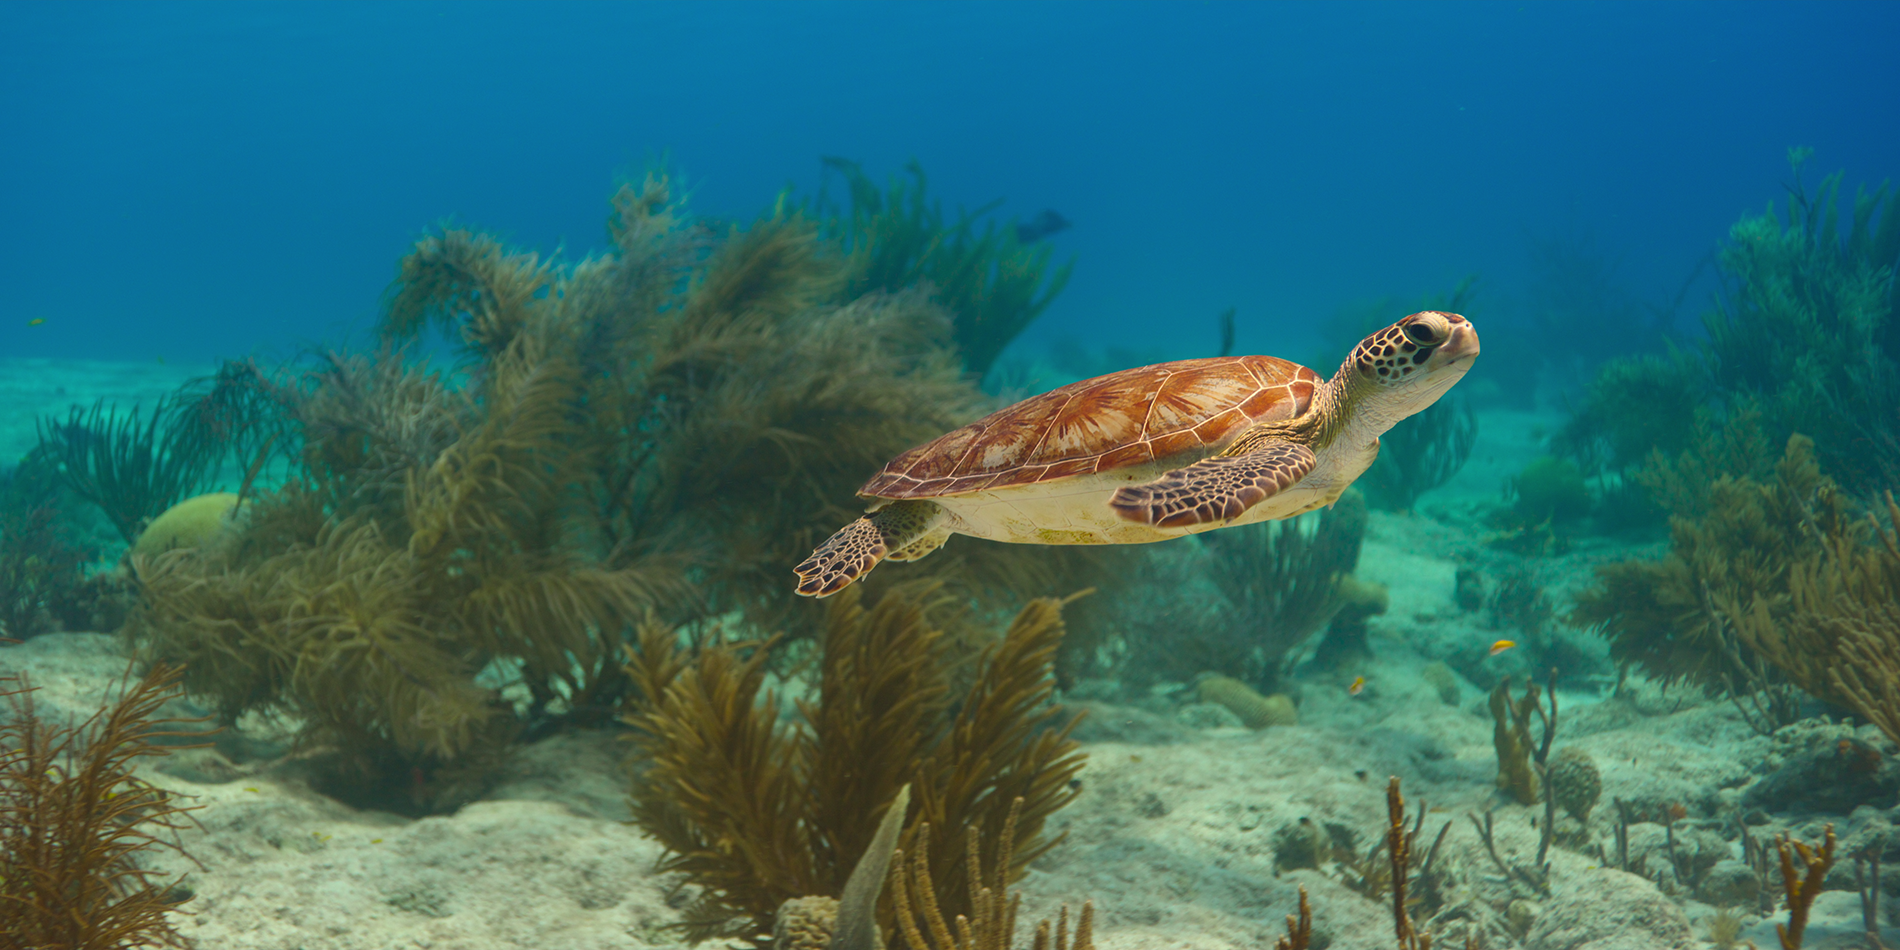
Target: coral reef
(805, 923)
(1836, 633)
(1826, 299)
(1521, 757)
(75, 821)
(1283, 581)
(447, 568)
(1254, 710)
(189, 524)
(1633, 406)
(1574, 782)
(1803, 882)
(716, 767)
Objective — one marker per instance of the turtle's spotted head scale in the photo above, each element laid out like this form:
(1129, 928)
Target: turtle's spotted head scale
(1409, 364)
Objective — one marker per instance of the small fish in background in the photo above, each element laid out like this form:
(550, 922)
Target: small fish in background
(1041, 226)
(1358, 686)
(36, 321)
(1501, 646)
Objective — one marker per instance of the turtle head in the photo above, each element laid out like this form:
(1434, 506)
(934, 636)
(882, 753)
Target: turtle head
(1408, 365)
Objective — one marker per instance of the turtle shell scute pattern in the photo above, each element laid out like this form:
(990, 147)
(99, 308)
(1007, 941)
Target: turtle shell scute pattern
(1131, 417)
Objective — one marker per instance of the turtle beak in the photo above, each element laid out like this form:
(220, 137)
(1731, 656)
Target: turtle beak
(1463, 344)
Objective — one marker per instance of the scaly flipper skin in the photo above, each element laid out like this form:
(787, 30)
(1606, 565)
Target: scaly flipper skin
(1215, 489)
(920, 548)
(858, 546)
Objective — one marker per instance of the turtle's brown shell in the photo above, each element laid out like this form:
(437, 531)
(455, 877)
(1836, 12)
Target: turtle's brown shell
(1128, 418)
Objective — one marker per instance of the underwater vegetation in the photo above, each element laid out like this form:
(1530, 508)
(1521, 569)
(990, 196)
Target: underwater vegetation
(850, 922)
(1803, 331)
(1733, 541)
(1757, 453)
(42, 565)
(451, 566)
(133, 466)
(994, 282)
(1398, 868)
(1826, 300)
(74, 822)
(715, 765)
(1837, 633)
(1242, 602)
(1548, 497)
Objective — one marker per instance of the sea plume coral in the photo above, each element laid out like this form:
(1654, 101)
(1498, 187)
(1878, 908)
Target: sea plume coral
(75, 821)
(716, 768)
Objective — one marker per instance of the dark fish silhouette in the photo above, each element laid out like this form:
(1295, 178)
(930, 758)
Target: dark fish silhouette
(1041, 226)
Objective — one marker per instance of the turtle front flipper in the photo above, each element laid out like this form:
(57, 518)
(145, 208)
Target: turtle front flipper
(857, 547)
(1215, 489)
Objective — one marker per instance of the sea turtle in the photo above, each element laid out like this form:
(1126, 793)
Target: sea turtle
(1151, 453)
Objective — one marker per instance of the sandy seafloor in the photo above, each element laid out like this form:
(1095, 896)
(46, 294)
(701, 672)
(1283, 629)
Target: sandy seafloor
(1170, 838)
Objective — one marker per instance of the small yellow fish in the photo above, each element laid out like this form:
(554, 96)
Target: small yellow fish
(36, 321)
(1501, 646)
(375, 841)
(1358, 686)
(320, 836)
(253, 790)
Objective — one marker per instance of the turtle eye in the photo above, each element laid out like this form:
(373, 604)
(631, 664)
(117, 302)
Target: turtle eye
(1420, 333)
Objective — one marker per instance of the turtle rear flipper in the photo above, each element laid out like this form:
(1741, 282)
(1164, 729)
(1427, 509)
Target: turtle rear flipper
(904, 527)
(1215, 489)
(923, 546)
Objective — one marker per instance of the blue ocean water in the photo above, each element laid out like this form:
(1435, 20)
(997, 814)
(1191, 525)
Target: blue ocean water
(199, 180)
(184, 182)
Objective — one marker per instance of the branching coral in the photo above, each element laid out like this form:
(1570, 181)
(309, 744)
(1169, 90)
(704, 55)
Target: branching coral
(1837, 634)
(992, 922)
(75, 821)
(717, 769)
(1803, 883)
(1521, 758)
(1733, 543)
